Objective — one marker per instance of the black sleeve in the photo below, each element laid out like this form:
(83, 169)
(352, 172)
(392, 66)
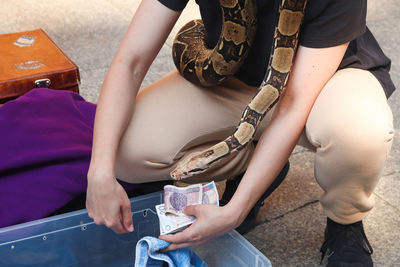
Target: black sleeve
(177, 5)
(337, 22)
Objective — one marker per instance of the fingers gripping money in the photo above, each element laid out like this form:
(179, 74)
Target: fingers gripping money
(170, 214)
(176, 198)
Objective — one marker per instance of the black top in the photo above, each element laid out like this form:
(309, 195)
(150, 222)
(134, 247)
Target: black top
(326, 23)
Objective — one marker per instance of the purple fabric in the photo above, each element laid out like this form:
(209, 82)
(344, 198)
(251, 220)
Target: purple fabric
(45, 148)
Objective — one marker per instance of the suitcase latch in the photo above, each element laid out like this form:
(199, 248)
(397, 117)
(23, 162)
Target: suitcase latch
(42, 83)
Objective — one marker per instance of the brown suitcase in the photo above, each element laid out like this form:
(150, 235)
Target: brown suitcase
(31, 59)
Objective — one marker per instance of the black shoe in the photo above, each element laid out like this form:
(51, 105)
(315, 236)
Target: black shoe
(346, 245)
(250, 221)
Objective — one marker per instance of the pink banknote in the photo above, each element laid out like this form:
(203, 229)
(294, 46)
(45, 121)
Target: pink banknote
(176, 198)
(210, 194)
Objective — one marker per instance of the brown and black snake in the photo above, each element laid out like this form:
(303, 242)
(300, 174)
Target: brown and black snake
(207, 67)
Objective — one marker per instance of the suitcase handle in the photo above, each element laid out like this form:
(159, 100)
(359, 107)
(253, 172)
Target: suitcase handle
(42, 83)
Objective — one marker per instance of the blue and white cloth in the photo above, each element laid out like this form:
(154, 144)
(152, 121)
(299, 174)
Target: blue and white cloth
(147, 255)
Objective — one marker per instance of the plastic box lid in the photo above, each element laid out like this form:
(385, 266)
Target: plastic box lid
(72, 239)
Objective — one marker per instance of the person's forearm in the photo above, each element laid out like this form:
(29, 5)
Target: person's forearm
(272, 152)
(114, 110)
(311, 71)
(141, 44)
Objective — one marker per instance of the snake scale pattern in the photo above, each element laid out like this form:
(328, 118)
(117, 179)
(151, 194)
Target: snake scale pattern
(207, 67)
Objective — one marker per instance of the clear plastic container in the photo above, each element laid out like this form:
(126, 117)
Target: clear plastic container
(72, 239)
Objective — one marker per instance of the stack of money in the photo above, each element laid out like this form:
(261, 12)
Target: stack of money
(170, 214)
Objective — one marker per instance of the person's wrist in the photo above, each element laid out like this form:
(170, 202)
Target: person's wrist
(100, 172)
(101, 163)
(238, 209)
(233, 214)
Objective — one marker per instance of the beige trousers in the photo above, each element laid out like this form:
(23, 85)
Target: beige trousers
(349, 128)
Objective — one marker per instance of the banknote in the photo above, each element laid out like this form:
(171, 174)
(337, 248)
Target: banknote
(170, 214)
(172, 223)
(176, 198)
(210, 194)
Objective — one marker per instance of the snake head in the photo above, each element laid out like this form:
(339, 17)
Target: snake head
(195, 163)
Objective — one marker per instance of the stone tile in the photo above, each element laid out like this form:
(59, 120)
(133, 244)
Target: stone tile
(382, 228)
(382, 9)
(293, 239)
(392, 166)
(88, 32)
(191, 11)
(394, 103)
(388, 189)
(128, 7)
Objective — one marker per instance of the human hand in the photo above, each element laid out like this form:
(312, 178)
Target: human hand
(211, 221)
(107, 203)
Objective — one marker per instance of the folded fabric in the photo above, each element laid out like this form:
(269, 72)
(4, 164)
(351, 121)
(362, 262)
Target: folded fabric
(147, 255)
(45, 141)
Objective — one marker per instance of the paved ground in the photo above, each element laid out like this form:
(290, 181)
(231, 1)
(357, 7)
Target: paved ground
(291, 225)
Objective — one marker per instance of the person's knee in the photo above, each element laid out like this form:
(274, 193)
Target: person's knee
(351, 116)
(142, 160)
(361, 136)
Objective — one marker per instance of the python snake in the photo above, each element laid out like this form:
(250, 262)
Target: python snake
(207, 67)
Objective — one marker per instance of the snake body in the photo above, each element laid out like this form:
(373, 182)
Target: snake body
(207, 67)
(200, 67)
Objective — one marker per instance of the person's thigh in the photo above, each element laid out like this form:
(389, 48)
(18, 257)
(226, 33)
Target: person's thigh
(351, 129)
(172, 118)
